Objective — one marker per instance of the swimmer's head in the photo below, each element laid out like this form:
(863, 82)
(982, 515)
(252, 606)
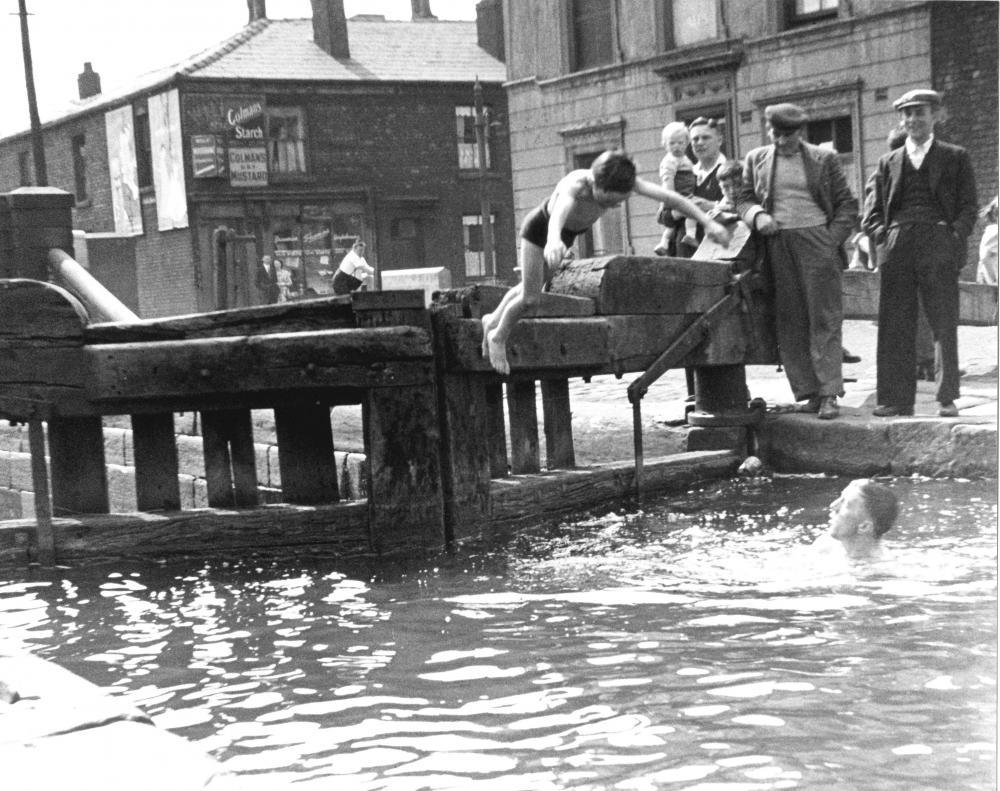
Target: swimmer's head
(863, 503)
(614, 177)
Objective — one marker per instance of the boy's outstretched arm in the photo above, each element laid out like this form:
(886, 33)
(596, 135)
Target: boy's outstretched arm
(715, 231)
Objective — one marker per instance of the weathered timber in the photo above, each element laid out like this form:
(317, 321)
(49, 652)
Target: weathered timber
(977, 302)
(230, 471)
(531, 498)
(558, 421)
(156, 463)
(342, 528)
(305, 454)
(403, 443)
(79, 477)
(40, 487)
(467, 446)
(379, 357)
(523, 420)
(496, 430)
(629, 284)
(391, 308)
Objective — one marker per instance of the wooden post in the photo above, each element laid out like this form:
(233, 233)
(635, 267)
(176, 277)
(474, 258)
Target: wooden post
(496, 430)
(305, 454)
(558, 420)
(40, 483)
(156, 466)
(79, 477)
(466, 453)
(230, 468)
(37, 219)
(403, 442)
(521, 410)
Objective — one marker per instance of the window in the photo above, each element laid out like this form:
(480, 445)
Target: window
(143, 149)
(24, 168)
(468, 149)
(286, 136)
(692, 21)
(591, 33)
(472, 236)
(79, 145)
(807, 12)
(837, 134)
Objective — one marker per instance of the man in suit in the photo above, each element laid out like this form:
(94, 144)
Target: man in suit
(922, 208)
(795, 194)
(267, 283)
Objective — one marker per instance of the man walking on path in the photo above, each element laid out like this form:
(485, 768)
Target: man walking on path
(923, 208)
(795, 194)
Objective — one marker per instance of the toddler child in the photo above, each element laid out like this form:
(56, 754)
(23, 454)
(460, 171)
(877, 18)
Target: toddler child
(677, 175)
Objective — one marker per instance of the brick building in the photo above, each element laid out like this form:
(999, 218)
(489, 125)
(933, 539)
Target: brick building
(585, 75)
(290, 139)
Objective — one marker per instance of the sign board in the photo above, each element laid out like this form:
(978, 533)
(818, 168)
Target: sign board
(247, 166)
(207, 156)
(245, 119)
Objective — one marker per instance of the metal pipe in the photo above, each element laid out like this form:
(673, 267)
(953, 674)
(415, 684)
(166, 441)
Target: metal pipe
(100, 303)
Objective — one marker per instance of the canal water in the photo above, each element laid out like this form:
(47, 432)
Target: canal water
(702, 643)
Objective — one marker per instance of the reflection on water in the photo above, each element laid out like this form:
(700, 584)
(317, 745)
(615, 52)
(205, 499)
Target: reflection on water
(701, 644)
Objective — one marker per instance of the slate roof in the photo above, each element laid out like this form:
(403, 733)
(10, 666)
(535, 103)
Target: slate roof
(284, 50)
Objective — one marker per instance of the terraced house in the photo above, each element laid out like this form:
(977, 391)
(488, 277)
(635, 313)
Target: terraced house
(291, 139)
(585, 75)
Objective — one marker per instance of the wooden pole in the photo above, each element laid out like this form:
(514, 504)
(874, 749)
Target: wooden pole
(40, 483)
(37, 144)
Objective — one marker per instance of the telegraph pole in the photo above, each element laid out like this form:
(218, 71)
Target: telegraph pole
(37, 144)
(485, 209)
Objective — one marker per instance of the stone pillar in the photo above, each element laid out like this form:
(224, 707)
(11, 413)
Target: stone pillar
(33, 220)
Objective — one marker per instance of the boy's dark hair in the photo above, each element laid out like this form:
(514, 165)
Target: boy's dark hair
(730, 170)
(614, 171)
(882, 505)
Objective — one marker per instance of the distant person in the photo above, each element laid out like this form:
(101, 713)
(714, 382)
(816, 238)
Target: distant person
(923, 208)
(283, 278)
(267, 282)
(986, 270)
(549, 230)
(677, 175)
(859, 517)
(796, 196)
(353, 270)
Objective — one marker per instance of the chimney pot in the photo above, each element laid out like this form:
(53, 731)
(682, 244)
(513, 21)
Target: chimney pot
(421, 10)
(88, 81)
(257, 9)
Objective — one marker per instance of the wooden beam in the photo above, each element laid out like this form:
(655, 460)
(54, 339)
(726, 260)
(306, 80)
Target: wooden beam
(79, 475)
(305, 454)
(558, 421)
(156, 465)
(523, 419)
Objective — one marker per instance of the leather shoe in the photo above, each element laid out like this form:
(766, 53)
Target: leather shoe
(888, 410)
(948, 410)
(828, 408)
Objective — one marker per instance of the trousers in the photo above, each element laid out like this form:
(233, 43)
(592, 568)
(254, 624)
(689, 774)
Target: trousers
(920, 261)
(808, 308)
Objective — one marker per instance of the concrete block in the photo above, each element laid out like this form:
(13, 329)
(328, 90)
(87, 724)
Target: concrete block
(717, 438)
(121, 488)
(921, 446)
(10, 504)
(260, 453)
(20, 472)
(200, 493)
(191, 456)
(273, 468)
(186, 484)
(974, 448)
(13, 438)
(802, 443)
(429, 279)
(115, 440)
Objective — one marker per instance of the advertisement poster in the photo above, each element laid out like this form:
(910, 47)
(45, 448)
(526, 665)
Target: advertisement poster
(120, 130)
(245, 119)
(168, 160)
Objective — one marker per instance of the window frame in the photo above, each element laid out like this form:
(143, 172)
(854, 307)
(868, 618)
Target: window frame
(472, 146)
(573, 50)
(143, 148)
(794, 19)
(78, 153)
(475, 220)
(668, 33)
(299, 145)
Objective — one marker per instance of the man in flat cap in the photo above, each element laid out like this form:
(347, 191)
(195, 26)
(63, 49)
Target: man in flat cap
(923, 208)
(795, 194)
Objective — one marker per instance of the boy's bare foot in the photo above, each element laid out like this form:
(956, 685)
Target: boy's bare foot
(498, 353)
(660, 249)
(486, 331)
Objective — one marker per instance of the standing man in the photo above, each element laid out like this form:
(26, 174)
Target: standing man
(706, 143)
(796, 196)
(267, 281)
(923, 208)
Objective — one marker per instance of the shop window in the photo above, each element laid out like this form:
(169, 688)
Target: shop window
(808, 12)
(143, 149)
(690, 21)
(78, 143)
(310, 248)
(286, 140)
(472, 237)
(591, 25)
(468, 149)
(24, 168)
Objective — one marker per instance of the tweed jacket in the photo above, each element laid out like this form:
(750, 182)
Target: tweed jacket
(825, 179)
(952, 181)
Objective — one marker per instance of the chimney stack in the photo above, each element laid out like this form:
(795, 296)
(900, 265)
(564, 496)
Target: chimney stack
(88, 81)
(421, 10)
(489, 28)
(257, 9)
(330, 28)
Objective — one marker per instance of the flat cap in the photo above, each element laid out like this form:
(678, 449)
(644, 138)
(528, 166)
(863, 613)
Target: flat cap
(785, 115)
(918, 96)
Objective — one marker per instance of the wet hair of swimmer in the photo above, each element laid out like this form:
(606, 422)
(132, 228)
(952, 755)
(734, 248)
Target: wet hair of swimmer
(614, 171)
(882, 505)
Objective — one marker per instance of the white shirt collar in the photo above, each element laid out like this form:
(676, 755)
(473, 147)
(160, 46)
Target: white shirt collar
(916, 152)
(702, 173)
